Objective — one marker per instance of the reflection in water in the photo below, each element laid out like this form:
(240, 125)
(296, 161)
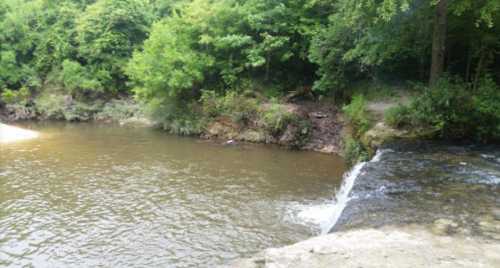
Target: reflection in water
(88, 195)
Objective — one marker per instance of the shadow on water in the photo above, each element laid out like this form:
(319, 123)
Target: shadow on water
(426, 182)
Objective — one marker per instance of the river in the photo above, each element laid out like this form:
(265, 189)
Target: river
(429, 184)
(90, 195)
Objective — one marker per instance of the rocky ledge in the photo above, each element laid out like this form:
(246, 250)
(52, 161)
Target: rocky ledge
(389, 247)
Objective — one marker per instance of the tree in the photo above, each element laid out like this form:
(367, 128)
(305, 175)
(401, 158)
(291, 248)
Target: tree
(439, 41)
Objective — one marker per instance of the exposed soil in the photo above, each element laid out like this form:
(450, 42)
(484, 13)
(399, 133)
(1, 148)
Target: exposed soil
(326, 127)
(325, 132)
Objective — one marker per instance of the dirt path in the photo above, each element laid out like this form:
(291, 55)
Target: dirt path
(378, 107)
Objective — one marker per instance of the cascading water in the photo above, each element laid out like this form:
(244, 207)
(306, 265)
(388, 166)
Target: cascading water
(342, 197)
(327, 215)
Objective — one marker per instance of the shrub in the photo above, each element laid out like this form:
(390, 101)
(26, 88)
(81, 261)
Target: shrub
(51, 106)
(356, 113)
(176, 117)
(239, 108)
(354, 151)
(63, 107)
(20, 97)
(276, 117)
(454, 110)
(397, 116)
(117, 110)
(76, 78)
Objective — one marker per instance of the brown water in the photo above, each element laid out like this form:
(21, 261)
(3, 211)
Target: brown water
(86, 195)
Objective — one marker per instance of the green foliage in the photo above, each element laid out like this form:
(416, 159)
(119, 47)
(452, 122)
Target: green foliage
(168, 66)
(175, 118)
(238, 108)
(354, 151)
(356, 113)
(397, 116)
(219, 44)
(119, 109)
(20, 96)
(454, 110)
(236, 54)
(391, 39)
(91, 39)
(275, 118)
(63, 107)
(52, 106)
(107, 33)
(76, 79)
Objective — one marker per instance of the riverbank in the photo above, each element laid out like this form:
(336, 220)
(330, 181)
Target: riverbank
(389, 247)
(304, 125)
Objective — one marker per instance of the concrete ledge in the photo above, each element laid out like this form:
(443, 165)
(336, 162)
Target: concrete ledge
(394, 247)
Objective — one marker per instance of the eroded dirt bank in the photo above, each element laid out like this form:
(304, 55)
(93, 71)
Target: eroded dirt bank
(388, 247)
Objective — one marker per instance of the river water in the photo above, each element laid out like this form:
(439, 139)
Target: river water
(90, 195)
(429, 184)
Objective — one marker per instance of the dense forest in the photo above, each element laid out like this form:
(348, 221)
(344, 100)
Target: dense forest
(184, 60)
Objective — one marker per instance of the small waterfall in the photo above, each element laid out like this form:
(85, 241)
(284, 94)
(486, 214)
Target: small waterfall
(342, 195)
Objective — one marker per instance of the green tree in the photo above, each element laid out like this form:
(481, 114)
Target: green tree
(107, 33)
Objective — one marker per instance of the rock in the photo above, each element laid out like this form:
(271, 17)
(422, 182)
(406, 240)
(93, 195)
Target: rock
(318, 115)
(395, 247)
(328, 149)
(488, 224)
(230, 142)
(289, 135)
(379, 134)
(137, 122)
(382, 133)
(444, 227)
(251, 135)
(496, 213)
(219, 130)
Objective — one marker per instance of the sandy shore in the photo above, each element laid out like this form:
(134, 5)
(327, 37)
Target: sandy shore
(12, 134)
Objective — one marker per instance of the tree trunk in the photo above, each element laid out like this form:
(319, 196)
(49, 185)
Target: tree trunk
(469, 64)
(439, 41)
(479, 68)
(268, 62)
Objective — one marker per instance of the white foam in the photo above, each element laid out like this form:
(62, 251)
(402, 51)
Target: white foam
(379, 154)
(12, 134)
(326, 215)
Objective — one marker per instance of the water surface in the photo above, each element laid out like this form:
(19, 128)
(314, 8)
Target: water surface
(422, 183)
(88, 195)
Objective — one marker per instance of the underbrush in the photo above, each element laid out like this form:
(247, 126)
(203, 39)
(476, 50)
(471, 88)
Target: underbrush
(354, 151)
(58, 105)
(357, 114)
(177, 118)
(455, 110)
(269, 116)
